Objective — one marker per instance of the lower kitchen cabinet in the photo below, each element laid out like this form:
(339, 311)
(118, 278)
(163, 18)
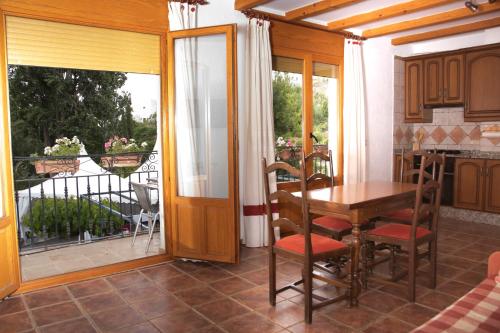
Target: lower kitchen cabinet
(477, 184)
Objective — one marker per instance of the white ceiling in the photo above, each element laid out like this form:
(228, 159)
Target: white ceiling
(280, 7)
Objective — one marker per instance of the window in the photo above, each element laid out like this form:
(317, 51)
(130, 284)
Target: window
(306, 105)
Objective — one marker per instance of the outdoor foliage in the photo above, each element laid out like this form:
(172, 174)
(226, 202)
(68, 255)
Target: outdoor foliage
(56, 215)
(287, 108)
(49, 103)
(117, 145)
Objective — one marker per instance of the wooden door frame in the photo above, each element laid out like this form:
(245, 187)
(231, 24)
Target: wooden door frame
(308, 59)
(230, 31)
(7, 8)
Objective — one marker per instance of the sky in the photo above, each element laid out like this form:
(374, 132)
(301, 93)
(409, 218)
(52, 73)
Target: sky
(145, 92)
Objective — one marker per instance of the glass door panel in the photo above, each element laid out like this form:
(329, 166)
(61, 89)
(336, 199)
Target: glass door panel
(326, 113)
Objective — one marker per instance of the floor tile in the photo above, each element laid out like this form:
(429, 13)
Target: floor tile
(455, 288)
(158, 306)
(436, 300)
(88, 288)
(190, 266)
(284, 313)
(184, 321)
(414, 314)
(199, 295)
(140, 293)
(355, 317)
(11, 305)
(232, 285)
(320, 324)
(47, 297)
(250, 323)
(472, 278)
(381, 302)
(15, 322)
(80, 325)
(161, 273)
(128, 279)
(55, 313)
(221, 310)
(116, 318)
(255, 298)
(180, 282)
(391, 325)
(139, 328)
(258, 277)
(101, 302)
(210, 274)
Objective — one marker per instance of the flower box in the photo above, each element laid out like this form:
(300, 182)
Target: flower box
(125, 161)
(57, 166)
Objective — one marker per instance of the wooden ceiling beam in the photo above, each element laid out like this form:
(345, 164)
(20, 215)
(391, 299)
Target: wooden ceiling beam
(383, 13)
(317, 8)
(248, 4)
(426, 21)
(459, 29)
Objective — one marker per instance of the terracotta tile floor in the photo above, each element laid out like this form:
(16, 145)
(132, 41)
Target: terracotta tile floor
(202, 297)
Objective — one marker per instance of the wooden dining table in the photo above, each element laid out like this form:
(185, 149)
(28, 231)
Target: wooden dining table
(357, 203)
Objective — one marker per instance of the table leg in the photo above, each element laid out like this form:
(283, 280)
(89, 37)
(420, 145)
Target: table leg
(356, 233)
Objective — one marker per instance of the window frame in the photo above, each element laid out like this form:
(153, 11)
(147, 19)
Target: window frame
(308, 58)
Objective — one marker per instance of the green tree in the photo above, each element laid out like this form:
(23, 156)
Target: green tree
(287, 106)
(47, 103)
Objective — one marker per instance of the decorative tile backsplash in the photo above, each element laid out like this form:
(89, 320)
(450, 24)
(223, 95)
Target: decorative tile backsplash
(448, 129)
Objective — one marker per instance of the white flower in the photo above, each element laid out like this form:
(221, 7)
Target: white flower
(56, 147)
(75, 140)
(280, 141)
(131, 140)
(47, 151)
(144, 144)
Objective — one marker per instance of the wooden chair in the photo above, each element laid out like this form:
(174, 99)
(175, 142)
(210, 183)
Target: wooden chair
(406, 174)
(334, 227)
(407, 240)
(303, 246)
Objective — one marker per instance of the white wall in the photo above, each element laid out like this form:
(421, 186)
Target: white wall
(378, 61)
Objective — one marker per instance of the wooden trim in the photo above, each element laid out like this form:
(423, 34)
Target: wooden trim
(317, 8)
(387, 12)
(430, 20)
(248, 4)
(459, 29)
(307, 105)
(131, 15)
(91, 273)
(453, 52)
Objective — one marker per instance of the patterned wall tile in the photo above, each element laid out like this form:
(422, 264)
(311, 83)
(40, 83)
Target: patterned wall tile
(439, 134)
(457, 134)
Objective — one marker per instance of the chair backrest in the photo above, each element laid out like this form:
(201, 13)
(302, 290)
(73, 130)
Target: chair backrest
(319, 174)
(285, 196)
(429, 190)
(143, 197)
(407, 158)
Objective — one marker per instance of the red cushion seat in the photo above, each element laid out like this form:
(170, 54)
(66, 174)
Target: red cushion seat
(332, 223)
(320, 244)
(402, 214)
(398, 231)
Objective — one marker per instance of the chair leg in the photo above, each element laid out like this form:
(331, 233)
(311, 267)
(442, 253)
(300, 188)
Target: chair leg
(151, 231)
(364, 260)
(139, 221)
(272, 277)
(433, 260)
(412, 272)
(307, 276)
(392, 262)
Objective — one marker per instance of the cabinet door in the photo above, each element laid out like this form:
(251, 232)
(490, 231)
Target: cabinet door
(483, 85)
(413, 90)
(469, 184)
(492, 190)
(433, 81)
(453, 79)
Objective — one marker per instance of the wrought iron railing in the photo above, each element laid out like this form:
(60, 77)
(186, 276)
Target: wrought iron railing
(62, 201)
(293, 155)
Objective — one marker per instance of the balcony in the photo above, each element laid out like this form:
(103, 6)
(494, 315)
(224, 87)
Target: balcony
(79, 213)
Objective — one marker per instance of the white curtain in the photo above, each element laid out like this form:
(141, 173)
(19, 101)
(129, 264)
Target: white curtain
(187, 121)
(354, 114)
(259, 131)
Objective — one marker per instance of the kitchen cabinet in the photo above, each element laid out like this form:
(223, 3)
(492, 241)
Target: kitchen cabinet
(414, 90)
(492, 188)
(469, 184)
(476, 184)
(482, 97)
(444, 80)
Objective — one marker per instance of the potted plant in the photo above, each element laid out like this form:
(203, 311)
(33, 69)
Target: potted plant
(285, 149)
(122, 153)
(61, 157)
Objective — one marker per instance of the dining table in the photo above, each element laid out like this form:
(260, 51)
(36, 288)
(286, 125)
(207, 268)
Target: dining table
(357, 203)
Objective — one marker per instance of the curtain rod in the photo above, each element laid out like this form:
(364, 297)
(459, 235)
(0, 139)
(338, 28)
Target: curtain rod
(250, 14)
(191, 2)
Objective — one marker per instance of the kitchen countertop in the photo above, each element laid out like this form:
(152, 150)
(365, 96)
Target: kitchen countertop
(473, 154)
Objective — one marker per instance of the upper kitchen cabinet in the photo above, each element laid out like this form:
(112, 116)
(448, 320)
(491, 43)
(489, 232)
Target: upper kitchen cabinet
(414, 93)
(482, 89)
(444, 80)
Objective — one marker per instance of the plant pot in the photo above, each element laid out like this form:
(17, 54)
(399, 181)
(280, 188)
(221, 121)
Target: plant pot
(57, 166)
(285, 155)
(125, 161)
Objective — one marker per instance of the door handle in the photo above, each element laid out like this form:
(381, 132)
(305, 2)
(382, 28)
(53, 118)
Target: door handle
(312, 136)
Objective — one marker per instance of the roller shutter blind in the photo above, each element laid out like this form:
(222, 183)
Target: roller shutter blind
(50, 44)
